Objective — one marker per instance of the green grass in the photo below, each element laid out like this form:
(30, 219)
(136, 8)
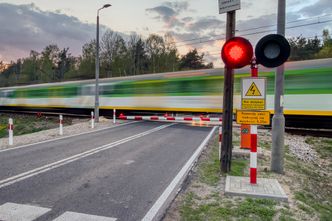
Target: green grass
(286, 215)
(312, 194)
(209, 170)
(314, 204)
(248, 209)
(238, 166)
(25, 124)
(322, 145)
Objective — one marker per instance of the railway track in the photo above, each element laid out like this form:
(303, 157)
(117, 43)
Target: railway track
(309, 132)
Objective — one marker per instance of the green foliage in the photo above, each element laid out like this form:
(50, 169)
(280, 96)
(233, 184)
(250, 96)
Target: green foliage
(305, 48)
(118, 57)
(192, 60)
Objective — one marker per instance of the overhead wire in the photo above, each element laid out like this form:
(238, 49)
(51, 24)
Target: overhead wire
(265, 26)
(255, 33)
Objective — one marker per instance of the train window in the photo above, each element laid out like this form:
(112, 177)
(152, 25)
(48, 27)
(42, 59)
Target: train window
(194, 86)
(123, 89)
(6, 93)
(149, 87)
(106, 89)
(87, 90)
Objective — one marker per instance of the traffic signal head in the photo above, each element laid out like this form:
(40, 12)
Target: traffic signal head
(237, 52)
(272, 50)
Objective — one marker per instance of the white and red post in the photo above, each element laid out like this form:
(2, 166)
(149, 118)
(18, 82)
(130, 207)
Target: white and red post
(114, 116)
(92, 120)
(61, 125)
(11, 131)
(220, 141)
(253, 135)
(253, 155)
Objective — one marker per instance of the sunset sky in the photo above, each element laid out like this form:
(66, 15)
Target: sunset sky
(33, 24)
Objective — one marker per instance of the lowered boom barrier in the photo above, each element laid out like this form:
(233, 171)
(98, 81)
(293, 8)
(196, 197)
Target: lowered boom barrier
(169, 118)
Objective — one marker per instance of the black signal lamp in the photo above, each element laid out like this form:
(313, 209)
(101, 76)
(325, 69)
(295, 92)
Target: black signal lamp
(272, 50)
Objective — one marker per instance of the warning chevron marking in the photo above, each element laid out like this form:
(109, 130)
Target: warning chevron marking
(253, 90)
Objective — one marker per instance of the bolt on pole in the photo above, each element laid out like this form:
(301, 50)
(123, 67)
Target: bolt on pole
(227, 116)
(278, 120)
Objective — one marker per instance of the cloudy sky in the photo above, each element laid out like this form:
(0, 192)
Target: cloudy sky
(33, 24)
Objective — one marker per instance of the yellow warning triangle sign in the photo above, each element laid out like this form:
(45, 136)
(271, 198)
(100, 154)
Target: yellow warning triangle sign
(253, 90)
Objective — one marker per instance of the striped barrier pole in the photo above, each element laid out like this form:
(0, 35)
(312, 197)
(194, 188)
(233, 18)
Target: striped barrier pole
(92, 120)
(114, 116)
(61, 125)
(11, 131)
(220, 140)
(168, 118)
(253, 154)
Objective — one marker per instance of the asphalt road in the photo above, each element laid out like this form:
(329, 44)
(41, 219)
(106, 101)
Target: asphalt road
(116, 173)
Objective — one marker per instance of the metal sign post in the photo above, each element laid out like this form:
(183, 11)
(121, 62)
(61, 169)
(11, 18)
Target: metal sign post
(278, 120)
(228, 6)
(227, 125)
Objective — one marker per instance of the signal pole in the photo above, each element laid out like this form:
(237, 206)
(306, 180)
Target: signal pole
(227, 116)
(278, 120)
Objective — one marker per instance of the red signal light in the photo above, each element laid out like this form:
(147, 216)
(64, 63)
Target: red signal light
(237, 52)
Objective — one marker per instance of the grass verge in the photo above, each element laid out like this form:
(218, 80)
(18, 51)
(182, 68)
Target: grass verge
(308, 186)
(25, 124)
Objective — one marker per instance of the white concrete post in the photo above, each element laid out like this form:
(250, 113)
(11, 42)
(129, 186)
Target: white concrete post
(92, 120)
(11, 131)
(220, 141)
(61, 125)
(114, 116)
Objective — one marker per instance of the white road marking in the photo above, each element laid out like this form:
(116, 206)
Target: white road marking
(18, 212)
(71, 216)
(128, 162)
(170, 192)
(45, 168)
(60, 138)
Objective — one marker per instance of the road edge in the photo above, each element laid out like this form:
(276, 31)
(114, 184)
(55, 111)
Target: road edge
(158, 209)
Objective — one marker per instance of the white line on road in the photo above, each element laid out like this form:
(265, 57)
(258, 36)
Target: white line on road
(71, 216)
(45, 168)
(169, 193)
(13, 211)
(60, 138)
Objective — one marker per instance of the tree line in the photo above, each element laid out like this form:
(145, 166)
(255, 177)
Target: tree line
(118, 57)
(311, 48)
(133, 56)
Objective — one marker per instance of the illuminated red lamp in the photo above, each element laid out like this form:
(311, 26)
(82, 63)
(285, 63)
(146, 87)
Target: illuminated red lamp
(237, 52)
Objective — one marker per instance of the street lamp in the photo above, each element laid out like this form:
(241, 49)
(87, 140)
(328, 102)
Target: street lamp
(97, 66)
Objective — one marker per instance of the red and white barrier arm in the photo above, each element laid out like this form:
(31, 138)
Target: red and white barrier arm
(11, 131)
(253, 155)
(121, 117)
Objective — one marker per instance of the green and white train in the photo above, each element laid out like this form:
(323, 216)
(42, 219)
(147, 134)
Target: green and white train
(308, 92)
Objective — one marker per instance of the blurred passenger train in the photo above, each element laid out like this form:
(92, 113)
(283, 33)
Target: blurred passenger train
(307, 99)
